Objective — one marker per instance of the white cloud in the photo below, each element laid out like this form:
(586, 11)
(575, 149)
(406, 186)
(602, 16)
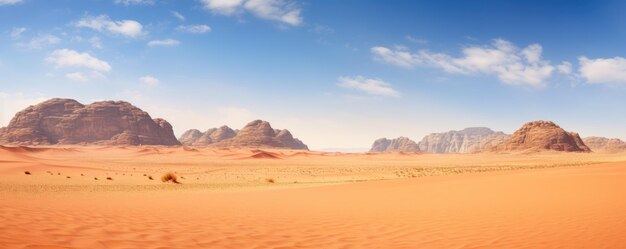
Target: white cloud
(134, 2)
(501, 58)
(149, 80)
(224, 7)
(565, 67)
(128, 28)
(370, 86)
(603, 70)
(283, 11)
(11, 103)
(178, 15)
(40, 42)
(277, 10)
(165, 43)
(71, 58)
(10, 2)
(16, 33)
(194, 29)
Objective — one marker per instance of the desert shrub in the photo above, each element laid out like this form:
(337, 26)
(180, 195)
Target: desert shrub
(270, 180)
(95, 178)
(27, 172)
(110, 178)
(150, 178)
(169, 177)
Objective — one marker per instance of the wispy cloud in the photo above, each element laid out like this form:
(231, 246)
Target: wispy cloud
(178, 15)
(149, 81)
(134, 2)
(369, 86)
(603, 70)
(10, 2)
(501, 58)
(282, 11)
(416, 40)
(194, 29)
(164, 43)
(128, 28)
(40, 41)
(16, 33)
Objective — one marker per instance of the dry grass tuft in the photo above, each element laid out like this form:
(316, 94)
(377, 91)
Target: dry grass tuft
(170, 177)
(270, 180)
(27, 172)
(68, 177)
(150, 178)
(95, 178)
(110, 178)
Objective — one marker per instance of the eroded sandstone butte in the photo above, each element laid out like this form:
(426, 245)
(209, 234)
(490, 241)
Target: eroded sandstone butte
(255, 134)
(66, 121)
(602, 144)
(400, 144)
(542, 136)
(469, 140)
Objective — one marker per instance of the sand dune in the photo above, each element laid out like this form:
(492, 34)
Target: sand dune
(314, 200)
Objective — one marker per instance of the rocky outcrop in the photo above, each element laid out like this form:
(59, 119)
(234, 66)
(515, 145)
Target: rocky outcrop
(469, 140)
(66, 121)
(541, 136)
(602, 144)
(400, 144)
(255, 134)
(214, 135)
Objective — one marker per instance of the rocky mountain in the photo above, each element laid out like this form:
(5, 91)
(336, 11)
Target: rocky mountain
(469, 140)
(602, 144)
(66, 121)
(541, 136)
(196, 138)
(400, 144)
(257, 133)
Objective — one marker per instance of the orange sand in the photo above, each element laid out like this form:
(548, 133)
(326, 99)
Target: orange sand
(318, 200)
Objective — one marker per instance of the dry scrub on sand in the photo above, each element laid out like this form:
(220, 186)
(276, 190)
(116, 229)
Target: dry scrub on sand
(27, 172)
(170, 177)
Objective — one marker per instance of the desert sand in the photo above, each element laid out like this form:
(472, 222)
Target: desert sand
(257, 198)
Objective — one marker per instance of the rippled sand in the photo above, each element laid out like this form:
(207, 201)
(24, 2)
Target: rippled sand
(316, 200)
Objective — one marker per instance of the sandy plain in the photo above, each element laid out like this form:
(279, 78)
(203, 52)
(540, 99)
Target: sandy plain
(257, 198)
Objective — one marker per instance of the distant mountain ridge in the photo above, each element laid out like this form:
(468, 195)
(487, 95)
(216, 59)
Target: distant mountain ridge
(468, 140)
(400, 144)
(603, 144)
(257, 133)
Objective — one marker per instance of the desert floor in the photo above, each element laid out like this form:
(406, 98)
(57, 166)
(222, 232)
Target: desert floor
(245, 198)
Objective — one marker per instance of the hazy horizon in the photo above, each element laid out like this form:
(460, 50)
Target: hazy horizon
(337, 74)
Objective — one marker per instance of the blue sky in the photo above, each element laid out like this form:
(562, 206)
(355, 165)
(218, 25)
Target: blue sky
(338, 74)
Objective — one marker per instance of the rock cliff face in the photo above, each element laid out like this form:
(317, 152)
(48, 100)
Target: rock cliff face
(214, 135)
(469, 140)
(602, 144)
(542, 136)
(400, 144)
(255, 134)
(66, 121)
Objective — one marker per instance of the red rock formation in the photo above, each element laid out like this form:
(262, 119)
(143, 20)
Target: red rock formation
(66, 121)
(602, 144)
(400, 144)
(255, 134)
(541, 136)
